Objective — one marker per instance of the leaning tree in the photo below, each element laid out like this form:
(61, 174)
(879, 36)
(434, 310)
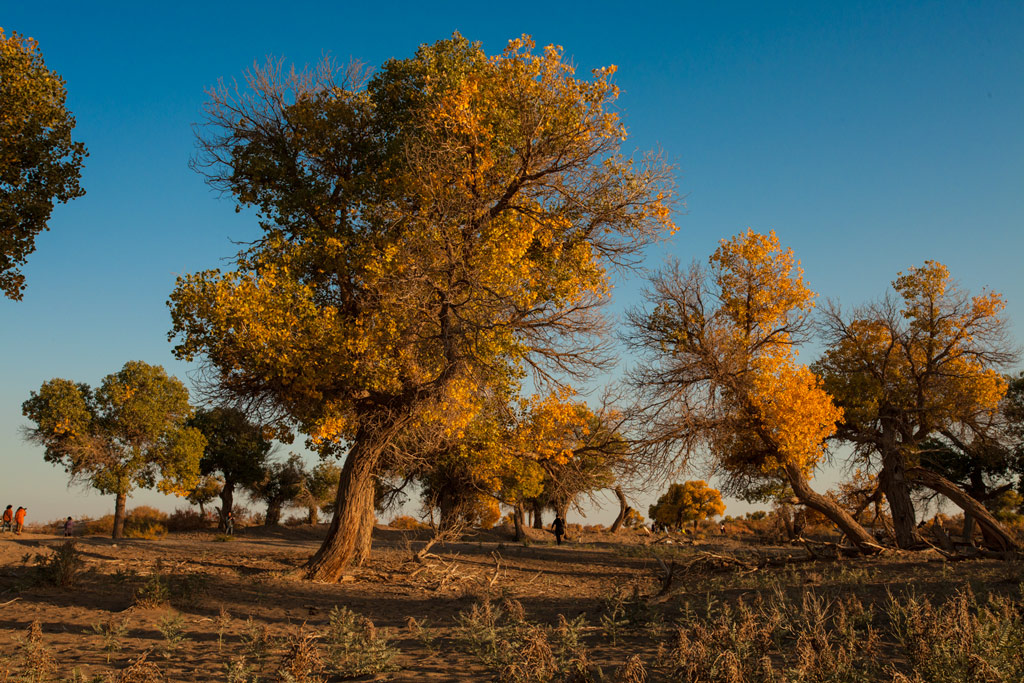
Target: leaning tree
(448, 224)
(719, 377)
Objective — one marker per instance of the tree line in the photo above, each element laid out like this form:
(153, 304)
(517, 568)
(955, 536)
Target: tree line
(439, 238)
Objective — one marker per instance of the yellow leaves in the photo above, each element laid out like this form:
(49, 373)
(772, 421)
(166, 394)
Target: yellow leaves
(793, 409)
(760, 286)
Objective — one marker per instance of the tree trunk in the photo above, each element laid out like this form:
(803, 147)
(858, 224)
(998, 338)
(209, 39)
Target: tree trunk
(893, 480)
(990, 526)
(562, 511)
(348, 537)
(968, 534)
(119, 514)
(623, 510)
(227, 500)
(517, 521)
(314, 515)
(538, 515)
(828, 507)
(273, 517)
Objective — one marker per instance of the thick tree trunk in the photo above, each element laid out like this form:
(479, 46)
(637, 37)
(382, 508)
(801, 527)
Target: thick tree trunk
(227, 501)
(990, 526)
(893, 480)
(119, 514)
(828, 507)
(273, 517)
(517, 521)
(314, 515)
(348, 538)
(537, 515)
(623, 510)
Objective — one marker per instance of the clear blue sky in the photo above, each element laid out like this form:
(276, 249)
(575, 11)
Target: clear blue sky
(869, 136)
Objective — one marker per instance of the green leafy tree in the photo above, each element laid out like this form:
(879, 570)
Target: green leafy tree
(282, 484)
(693, 501)
(208, 488)
(318, 490)
(446, 225)
(236, 449)
(130, 432)
(39, 162)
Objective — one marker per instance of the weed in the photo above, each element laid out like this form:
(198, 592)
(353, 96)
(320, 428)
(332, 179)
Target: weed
(39, 663)
(257, 641)
(62, 567)
(111, 634)
(172, 628)
(355, 647)
(153, 593)
(139, 671)
(223, 626)
(302, 662)
(614, 620)
(420, 630)
(238, 670)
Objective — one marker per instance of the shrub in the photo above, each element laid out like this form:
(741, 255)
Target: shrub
(186, 519)
(62, 567)
(355, 647)
(407, 522)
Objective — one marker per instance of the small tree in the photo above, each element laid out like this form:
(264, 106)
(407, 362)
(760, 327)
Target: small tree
(39, 162)
(206, 490)
(318, 489)
(130, 432)
(281, 484)
(235, 449)
(693, 502)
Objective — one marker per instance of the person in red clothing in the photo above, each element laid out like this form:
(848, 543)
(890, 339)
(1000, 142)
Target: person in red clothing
(19, 520)
(8, 519)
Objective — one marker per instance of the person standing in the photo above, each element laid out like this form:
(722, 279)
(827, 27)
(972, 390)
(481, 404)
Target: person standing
(19, 520)
(7, 520)
(69, 527)
(229, 524)
(558, 526)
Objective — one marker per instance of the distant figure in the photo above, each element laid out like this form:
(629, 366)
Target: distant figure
(8, 519)
(69, 527)
(558, 526)
(229, 524)
(19, 519)
(722, 528)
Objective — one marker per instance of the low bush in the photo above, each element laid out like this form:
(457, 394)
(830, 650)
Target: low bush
(187, 519)
(407, 522)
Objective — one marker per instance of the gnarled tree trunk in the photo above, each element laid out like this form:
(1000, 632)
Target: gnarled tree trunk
(538, 515)
(517, 521)
(624, 510)
(893, 480)
(991, 528)
(349, 535)
(857, 534)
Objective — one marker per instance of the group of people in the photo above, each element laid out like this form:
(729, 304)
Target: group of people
(13, 520)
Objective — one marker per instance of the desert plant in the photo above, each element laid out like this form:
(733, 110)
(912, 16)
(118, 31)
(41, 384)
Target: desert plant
(238, 670)
(355, 647)
(257, 641)
(38, 663)
(302, 662)
(62, 567)
(154, 592)
(138, 671)
(111, 634)
(172, 628)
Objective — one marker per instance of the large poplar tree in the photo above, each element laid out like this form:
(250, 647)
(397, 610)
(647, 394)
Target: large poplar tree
(446, 225)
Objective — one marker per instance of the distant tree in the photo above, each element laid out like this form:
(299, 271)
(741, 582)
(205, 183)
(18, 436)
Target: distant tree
(39, 162)
(318, 489)
(208, 488)
(281, 485)
(691, 502)
(236, 449)
(923, 363)
(130, 432)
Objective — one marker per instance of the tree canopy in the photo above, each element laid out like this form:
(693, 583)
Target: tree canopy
(39, 162)
(692, 501)
(130, 432)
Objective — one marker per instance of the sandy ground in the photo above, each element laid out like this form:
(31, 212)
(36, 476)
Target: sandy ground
(226, 591)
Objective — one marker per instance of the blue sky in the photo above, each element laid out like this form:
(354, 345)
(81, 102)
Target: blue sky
(869, 136)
